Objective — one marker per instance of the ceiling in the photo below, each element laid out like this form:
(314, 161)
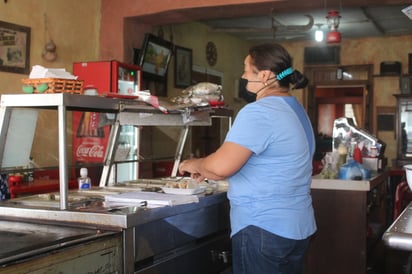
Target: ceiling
(296, 26)
(290, 20)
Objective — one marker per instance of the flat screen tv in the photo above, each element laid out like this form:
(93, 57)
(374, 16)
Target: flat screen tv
(155, 57)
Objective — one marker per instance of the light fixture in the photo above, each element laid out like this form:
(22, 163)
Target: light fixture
(319, 33)
(332, 20)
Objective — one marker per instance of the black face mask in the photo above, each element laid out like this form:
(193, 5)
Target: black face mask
(244, 93)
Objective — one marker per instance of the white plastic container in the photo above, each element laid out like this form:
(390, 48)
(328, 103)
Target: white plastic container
(84, 181)
(408, 170)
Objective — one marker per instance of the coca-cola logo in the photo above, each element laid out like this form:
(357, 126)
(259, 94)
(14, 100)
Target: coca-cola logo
(87, 150)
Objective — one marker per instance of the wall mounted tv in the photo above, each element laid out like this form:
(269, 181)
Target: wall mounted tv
(155, 56)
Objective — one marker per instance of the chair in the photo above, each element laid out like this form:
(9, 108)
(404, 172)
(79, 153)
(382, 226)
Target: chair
(403, 196)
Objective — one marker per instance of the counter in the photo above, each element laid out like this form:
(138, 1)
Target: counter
(154, 239)
(173, 239)
(58, 249)
(399, 234)
(351, 217)
(351, 185)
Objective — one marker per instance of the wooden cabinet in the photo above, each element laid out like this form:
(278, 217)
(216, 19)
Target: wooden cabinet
(350, 223)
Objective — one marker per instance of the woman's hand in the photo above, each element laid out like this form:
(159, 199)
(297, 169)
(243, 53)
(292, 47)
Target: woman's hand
(228, 159)
(192, 166)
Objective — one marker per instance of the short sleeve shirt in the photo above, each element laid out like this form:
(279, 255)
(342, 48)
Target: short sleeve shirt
(272, 189)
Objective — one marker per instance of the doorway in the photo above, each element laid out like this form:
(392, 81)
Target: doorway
(333, 102)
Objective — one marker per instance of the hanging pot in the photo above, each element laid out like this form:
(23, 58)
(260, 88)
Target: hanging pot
(49, 53)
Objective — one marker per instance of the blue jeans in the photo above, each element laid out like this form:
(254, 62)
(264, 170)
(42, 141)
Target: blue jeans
(257, 251)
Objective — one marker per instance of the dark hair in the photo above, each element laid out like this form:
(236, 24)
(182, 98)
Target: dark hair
(274, 57)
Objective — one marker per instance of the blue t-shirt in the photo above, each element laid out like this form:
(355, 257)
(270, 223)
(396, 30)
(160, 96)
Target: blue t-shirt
(272, 189)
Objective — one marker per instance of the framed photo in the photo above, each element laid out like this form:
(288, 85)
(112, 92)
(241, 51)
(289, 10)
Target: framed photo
(183, 67)
(14, 48)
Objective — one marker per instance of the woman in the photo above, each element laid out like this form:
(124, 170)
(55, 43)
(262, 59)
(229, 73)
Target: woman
(267, 156)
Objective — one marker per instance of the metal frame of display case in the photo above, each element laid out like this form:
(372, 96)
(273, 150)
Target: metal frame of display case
(127, 112)
(132, 115)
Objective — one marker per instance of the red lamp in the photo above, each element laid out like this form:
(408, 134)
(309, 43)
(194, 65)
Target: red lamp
(332, 20)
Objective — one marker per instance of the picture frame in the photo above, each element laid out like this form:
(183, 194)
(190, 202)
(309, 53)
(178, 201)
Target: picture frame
(14, 48)
(183, 67)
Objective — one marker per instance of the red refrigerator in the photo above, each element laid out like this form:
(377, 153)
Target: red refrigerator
(90, 134)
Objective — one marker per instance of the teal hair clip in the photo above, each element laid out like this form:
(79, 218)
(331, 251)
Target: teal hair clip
(284, 73)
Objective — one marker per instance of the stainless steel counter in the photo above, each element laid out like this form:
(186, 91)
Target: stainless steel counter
(399, 234)
(21, 240)
(90, 211)
(161, 236)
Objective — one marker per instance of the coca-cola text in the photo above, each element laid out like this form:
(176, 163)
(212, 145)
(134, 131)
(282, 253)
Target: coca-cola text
(90, 150)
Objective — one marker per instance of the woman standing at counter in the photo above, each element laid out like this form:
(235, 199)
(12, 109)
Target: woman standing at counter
(267, 156)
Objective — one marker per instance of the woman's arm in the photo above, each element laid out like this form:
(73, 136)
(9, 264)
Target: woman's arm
(228, 159)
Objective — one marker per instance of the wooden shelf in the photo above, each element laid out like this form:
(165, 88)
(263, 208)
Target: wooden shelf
(391, 75)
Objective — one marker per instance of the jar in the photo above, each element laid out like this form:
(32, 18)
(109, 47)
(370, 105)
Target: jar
(90, 90)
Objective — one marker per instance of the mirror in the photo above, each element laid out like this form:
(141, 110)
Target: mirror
(405, 133)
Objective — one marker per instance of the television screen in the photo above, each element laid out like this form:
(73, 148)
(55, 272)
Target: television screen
(155, 57)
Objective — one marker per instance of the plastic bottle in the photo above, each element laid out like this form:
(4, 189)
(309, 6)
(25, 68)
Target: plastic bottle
(343, 152)
(357, 155)
(352, 147)
(84, 181)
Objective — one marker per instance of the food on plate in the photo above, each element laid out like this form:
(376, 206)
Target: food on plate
(200, 94)
(183, 184)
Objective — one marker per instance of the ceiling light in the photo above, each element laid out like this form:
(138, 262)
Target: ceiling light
(319, 33)
(332, 20)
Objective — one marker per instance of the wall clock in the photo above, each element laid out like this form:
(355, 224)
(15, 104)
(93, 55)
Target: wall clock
(211, 53)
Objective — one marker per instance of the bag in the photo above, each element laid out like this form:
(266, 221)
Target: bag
(353, 170)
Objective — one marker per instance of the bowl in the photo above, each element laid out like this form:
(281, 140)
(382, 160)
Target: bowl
(196, 100)
(215, 103)
(408, 170)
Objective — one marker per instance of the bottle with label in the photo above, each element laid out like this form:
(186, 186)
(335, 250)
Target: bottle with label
(84, 181)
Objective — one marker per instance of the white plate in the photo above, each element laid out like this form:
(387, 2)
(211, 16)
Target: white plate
(184, 191)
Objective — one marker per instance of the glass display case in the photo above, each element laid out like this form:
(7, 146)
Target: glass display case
(125, 113)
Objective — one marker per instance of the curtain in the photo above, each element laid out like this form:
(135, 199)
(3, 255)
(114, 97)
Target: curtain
(358, 114)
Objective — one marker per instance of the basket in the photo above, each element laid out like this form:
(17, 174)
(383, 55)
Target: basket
(52, 85)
